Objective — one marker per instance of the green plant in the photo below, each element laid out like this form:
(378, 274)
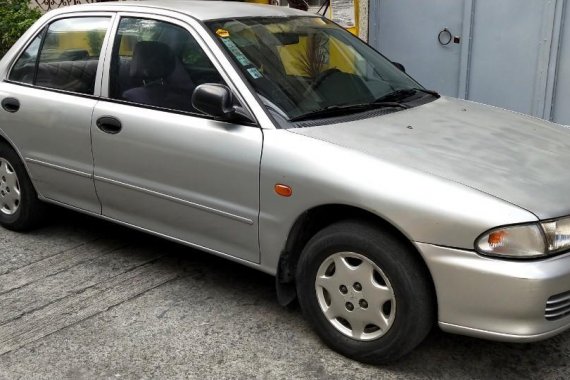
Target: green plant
(95, 39)
(313, 60)
(16, 17)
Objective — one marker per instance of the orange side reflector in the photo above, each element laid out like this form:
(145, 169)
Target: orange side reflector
(283, 190)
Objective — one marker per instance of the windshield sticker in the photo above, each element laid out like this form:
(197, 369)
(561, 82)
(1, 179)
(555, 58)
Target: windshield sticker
(243, 60)
(232, 47)
(255, 74)
(222, 33)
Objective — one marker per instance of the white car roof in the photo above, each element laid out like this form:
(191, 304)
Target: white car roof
(199, 9)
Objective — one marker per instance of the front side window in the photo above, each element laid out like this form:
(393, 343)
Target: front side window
(158, 64)
(69, 56)
(302, 65)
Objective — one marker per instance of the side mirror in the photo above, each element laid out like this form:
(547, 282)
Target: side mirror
(214, 99)
(399, 66)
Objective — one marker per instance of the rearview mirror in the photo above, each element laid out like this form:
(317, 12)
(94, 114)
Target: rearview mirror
(399, 66)
(214, 99)
(287, 38)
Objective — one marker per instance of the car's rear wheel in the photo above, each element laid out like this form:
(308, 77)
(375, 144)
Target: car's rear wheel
(20, 208)
(365, 292)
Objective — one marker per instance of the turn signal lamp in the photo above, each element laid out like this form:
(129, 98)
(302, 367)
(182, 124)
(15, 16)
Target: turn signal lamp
(526, 240)
(283, 190)
(497, 238)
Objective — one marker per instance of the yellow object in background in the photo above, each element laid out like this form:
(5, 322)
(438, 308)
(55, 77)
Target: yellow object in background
(78, 41)
(222, 33)
(333, 4)
(336, 56)
(127, 46)
(354, 29)
(345, 12)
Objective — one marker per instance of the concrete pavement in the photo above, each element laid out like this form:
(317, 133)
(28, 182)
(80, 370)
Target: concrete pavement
(82, 298)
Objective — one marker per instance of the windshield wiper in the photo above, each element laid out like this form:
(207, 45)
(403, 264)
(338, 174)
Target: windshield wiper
(337, 110)
(399, 95)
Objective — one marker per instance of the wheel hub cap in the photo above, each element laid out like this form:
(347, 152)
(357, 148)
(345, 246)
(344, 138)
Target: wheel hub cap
(9, 188)
(355, 296)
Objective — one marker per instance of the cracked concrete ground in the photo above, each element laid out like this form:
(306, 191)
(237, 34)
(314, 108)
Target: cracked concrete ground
(82, 299)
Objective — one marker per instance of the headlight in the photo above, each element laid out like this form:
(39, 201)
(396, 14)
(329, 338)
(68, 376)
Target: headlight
(557, 234)
(526, 241)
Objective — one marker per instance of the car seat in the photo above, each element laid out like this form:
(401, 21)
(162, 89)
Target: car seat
(165, 83)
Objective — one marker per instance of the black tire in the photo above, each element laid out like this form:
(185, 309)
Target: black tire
(414, 310)
(30, 210)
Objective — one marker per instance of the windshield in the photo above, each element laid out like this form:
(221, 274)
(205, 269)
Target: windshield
(303, 65)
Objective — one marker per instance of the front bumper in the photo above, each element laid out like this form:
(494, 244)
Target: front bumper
(499, 299)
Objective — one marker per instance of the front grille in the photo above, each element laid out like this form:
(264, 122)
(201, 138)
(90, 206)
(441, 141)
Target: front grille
(557, 306)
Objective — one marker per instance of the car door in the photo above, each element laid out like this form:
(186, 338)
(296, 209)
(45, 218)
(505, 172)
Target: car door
(160, 164)
(48, 100)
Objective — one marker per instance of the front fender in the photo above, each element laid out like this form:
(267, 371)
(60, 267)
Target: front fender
(424, 207)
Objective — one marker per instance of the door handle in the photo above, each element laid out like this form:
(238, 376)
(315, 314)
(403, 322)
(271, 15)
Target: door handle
(109, 124)
(445, 37)
(11, 105)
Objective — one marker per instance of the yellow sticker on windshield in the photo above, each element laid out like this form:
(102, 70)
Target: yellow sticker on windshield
(222, 33)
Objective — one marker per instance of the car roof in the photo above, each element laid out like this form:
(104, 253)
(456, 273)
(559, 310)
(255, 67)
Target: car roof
(199, 9)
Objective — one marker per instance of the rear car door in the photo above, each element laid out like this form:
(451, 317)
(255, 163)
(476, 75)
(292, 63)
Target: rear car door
(162, 165)
(48, 100)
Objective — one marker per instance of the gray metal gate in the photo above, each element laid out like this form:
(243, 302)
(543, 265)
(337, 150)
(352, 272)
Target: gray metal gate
(509, 53)
(561, 101)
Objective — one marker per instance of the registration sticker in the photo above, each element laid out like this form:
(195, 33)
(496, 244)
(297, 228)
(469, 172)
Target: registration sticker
(254, 73)
(243, 60)
(236, 52)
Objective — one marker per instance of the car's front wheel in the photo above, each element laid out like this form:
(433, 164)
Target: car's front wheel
(365, 292)
(20, 208)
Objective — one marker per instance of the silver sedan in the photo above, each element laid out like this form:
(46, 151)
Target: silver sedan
(276, 139)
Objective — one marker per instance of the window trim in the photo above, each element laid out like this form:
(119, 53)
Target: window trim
(42, 35)
(42, 29)
(123, 102)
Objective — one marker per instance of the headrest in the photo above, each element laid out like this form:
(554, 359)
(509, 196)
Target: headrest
(152, 60)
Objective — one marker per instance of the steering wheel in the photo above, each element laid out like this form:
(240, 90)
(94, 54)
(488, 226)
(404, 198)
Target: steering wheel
(322, 76)
(319, 80)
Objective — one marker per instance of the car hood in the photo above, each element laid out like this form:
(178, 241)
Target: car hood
(517, 158)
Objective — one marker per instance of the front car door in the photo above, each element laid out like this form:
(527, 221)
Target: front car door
(50, 93)
(159, 163)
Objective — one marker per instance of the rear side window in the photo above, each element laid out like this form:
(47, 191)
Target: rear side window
(25, 66)
(68, 55)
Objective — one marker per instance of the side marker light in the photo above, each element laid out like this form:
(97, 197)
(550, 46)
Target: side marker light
(283, 190)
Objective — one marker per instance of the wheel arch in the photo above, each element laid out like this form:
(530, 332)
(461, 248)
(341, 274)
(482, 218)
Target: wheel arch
(315, 219)
(5, 140)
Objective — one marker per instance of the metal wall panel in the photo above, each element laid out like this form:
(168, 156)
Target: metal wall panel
(561, 108)
(406, 31)
(505, 53)
(513, 54)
